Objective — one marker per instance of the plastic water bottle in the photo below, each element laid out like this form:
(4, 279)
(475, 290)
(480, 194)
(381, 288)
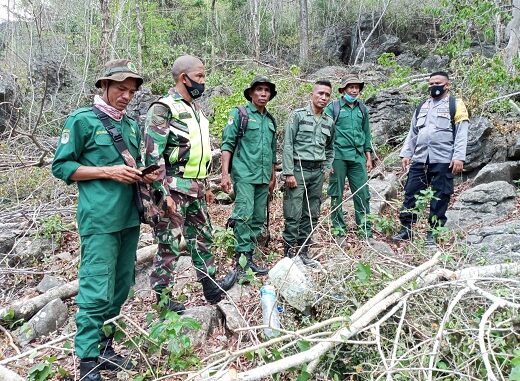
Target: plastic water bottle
(269, 310)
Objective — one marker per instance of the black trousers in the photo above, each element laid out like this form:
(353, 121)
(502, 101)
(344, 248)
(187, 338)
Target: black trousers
(420, 177)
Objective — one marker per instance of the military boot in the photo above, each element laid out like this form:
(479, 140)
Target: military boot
(253, 266)
(430, 239)
(169, 304)
(404, 234)
(109, 359)
(288, 250)
(304, 254)
(89, 370)
(214, 289)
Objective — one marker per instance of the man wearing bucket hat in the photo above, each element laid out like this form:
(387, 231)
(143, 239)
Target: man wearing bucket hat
(176, 137)
(107, 216)
(249, 158)
(352, 156)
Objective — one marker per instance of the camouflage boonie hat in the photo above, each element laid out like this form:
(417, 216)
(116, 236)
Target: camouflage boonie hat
(350, 80)
(257, 80)
(119, 70)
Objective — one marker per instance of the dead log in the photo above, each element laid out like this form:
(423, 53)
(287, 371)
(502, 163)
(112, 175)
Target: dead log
(24, 309)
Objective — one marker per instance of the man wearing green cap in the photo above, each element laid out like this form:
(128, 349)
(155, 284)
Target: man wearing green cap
(107, 216)
(249, 156)
(352, 157)
(307, 155)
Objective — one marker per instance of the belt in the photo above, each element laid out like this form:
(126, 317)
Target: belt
(308, 164)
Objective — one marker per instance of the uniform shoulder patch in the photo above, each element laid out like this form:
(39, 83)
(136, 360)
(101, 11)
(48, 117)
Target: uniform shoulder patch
(65, 136)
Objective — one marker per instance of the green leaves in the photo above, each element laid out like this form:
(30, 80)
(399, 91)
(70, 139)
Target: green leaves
(363, 271)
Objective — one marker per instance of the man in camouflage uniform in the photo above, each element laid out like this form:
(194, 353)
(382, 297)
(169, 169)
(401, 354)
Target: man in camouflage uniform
(252, 158)
(307, 154)
(176, 138)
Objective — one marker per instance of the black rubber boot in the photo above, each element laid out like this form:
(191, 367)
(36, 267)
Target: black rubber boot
(430, 239)
(89, 370)
(304, 255)
(214, 289)
(288, 250)
(253, 266)
(109, 359)
(170, 304)
(405, 234)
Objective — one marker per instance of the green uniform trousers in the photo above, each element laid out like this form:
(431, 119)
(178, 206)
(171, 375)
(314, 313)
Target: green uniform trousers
(106, 273)
(356, 173)
(301, 205)
(191, 220)
(249, 214)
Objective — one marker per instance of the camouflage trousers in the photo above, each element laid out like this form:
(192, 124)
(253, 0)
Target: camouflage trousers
(191, 220)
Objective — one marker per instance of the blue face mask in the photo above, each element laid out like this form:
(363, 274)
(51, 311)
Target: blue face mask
(350, 98)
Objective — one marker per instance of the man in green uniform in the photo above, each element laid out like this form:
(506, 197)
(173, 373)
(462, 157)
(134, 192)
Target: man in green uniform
(176, 138)
(107, 216)
(307, 154)
(352, 157)
(252, 155)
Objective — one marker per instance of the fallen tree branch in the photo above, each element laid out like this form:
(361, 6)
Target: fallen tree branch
(24, 309)
(361, 318)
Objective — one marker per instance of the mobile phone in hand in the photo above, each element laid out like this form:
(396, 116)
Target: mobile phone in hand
(149, 169)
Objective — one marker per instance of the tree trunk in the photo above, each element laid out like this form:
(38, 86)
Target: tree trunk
(255, 20)
(512, 49)
(115, 30)
(304, 35)
(105, 30)
(140, 37)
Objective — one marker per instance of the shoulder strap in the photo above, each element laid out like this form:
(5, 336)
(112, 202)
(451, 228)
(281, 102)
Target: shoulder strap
(115, 134)
(244, 119)
(272, 118)
(336, 108)
(453, 109)
(418, 109)
(364, 110)
(125, 154)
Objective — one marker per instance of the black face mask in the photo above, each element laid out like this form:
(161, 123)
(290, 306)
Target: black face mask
(437, 91)
(196, 89)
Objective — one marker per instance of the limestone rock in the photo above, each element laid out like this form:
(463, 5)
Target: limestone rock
(505, 171)
(49, 282)
(482, 204)
(484, 144)
(232, 316)
(381, 191)
(293, 283)
(28, 250)
(495, 243)
(208, 317)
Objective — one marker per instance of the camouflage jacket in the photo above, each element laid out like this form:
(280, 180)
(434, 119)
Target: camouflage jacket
(176, 137)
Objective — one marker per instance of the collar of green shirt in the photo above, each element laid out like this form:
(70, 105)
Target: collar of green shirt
(343, 101)
(253, 108)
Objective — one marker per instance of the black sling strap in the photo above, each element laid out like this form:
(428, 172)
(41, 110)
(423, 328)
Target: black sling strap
(121, 148)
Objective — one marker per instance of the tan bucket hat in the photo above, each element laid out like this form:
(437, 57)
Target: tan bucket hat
(349, 80)
(260, 79)
(119, 70)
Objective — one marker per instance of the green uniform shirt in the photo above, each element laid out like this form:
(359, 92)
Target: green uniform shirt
(353, 136)
(308, 137)
(253, 160)
(105, 206)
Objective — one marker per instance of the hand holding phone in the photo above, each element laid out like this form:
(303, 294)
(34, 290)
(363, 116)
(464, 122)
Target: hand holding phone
(149, 169)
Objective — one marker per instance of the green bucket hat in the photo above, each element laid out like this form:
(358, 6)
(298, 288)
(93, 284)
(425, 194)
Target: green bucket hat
(119, 70)
(351, 80)
(257, 80)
